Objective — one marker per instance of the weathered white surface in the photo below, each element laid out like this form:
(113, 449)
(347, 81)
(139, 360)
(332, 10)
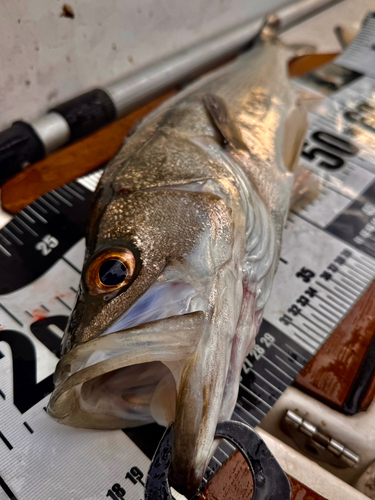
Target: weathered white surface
(318, 30)
(46, 59)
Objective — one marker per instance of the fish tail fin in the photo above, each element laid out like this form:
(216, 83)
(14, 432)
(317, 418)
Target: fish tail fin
(269, 33)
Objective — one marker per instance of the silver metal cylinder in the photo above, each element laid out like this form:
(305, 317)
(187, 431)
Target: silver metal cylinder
(52, 130)
(144, 84)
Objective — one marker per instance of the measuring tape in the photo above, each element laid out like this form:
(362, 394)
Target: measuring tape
(327, 262)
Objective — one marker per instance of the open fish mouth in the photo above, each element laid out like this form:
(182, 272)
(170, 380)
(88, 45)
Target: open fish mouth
(125, 378)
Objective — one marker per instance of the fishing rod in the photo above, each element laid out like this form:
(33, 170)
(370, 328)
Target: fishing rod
(25, 143)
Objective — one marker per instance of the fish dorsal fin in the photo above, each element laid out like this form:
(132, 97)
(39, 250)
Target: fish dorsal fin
(224, 121)
(270, 28)
(269, 33)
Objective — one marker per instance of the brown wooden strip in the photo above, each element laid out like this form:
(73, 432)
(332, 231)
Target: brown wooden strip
(304, 64)
(70, 163)
(90, 153)
(331, 372)
(234, 481)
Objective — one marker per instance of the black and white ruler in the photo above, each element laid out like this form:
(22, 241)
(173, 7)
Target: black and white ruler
(327, 262)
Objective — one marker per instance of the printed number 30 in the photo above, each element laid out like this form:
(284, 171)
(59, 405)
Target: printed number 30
(47, 244)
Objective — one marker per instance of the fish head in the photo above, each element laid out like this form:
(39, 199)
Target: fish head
(150, 335)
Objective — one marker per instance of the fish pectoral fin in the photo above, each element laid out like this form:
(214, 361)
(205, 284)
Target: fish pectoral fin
(224, 121)
(306, 189)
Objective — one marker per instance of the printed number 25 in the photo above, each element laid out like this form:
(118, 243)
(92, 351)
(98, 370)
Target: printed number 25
(47, 244)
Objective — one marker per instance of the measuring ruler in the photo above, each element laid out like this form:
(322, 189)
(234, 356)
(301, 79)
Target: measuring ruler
(327, 262)
(360, 55)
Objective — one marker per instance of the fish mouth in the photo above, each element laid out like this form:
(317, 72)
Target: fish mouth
(126, 378)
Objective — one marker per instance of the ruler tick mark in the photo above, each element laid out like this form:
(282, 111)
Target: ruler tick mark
(7, 490)
(277, 378)
(10, 447)
(246, 413)
(27, 216)
(315, 324)
(330, 312)
(306, 340)
(45, 308)
(28, 228)
(265, 380)
(363, 274)
(346, 291)
(256, 408)
(309, 338)
(296, 352)
(223, 452)
(321, 314)
(75, 186)
(283, 260)
(353, 279)
(28, 428)
(264, 390)
(69, 188)
(2, 395)
(60, 197)
(6, 241)
(279, 369)
(40, 217)
(63, 188)
(289, 356)
(71, 265)
(318, 337)
(255, 395)
(286, 364)
(363, 262)
(11, 315)
(13, 236)
(63, 303)
(51, 207)
(345, 300)
(229, 444)
(216, 460)
(5, 251)
(40, 207)
(19, 231)
(321, 321)
(73, 289)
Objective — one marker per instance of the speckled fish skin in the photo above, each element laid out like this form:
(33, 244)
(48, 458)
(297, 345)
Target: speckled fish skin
(200, 192)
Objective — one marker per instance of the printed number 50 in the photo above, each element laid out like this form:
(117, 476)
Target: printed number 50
(47, 244)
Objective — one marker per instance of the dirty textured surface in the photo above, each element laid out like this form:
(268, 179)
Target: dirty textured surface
(53, 51)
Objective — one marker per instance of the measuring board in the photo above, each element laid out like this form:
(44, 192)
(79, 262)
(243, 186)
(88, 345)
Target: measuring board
(327, 262)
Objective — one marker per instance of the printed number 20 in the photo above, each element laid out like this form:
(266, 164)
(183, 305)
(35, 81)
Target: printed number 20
(47, 244)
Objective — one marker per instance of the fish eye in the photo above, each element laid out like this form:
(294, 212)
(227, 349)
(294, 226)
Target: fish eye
(111, 270)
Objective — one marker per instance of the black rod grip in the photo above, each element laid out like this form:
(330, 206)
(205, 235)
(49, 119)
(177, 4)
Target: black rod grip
(19, 147)
(87, 113)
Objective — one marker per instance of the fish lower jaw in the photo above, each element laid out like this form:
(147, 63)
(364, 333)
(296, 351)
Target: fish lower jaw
(126, 397)
(125, 379)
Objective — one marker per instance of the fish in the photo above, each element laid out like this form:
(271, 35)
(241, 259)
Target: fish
(183, 245)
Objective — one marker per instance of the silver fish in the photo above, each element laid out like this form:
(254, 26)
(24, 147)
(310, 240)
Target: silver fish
(183, 246)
